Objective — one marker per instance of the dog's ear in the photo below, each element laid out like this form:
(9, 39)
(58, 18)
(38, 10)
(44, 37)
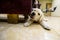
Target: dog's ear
(41, 15)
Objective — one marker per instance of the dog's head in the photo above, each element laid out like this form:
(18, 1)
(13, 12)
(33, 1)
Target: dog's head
(36, 14)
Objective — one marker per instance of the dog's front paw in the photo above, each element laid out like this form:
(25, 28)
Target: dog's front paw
(45, 25)
(47, 28)
(26, 24)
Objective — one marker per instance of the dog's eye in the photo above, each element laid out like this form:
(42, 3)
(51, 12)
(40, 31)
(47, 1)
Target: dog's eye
(38, 13)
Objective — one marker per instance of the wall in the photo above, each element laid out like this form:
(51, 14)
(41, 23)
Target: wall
(43, 2)
(57, 11)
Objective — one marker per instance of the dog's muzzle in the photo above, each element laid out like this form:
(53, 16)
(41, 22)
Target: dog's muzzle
(33, 14)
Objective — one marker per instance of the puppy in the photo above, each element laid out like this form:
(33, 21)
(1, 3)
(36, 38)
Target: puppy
(38, 16)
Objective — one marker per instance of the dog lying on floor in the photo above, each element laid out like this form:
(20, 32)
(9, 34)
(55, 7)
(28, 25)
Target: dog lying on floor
(38, 16)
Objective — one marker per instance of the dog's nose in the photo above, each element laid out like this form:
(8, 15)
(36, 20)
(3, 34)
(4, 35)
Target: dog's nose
(33, 14)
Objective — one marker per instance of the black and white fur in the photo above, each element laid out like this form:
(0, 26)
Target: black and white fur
(38, 16)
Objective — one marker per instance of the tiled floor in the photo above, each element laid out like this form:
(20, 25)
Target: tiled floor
(33, 32)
